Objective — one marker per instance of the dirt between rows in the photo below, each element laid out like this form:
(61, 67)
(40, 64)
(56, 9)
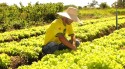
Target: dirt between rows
(17, 61)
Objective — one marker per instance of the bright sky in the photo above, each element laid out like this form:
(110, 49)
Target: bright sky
(66, 2)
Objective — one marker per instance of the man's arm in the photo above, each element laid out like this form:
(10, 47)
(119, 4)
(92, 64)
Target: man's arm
(66, 42)
(73, 39)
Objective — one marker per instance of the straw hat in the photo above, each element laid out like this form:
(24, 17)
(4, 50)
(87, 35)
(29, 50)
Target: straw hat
(70, 13)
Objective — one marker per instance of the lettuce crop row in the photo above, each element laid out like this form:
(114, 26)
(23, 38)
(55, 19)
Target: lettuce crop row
(89, 55)
(92, 31)
(29, 48)
(20, 34)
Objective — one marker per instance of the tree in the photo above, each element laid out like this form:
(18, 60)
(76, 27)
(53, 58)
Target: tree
(124, 3)
(79, 7)
(120, 4)
(3, 8)
(3, 5)
(103, 5)
(92, 5)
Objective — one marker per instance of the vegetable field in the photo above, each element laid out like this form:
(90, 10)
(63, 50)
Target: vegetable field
(102, 47)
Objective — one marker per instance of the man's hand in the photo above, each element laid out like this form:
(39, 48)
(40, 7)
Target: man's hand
(74, 47)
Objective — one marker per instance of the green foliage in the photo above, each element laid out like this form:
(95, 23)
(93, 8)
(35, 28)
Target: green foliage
(14, 17)
(121, 3)
(4, 61)
(104, 5)
(86, 13)
(29, 48)
(95, 29)
(21, 34)
(92, 5)
(99, 54)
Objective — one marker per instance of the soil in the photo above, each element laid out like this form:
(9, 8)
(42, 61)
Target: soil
(17, 61)
(122, 48)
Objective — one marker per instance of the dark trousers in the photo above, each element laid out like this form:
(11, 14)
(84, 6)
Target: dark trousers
(51, 47)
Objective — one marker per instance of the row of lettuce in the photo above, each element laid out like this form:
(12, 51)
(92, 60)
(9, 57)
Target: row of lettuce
(102, 53)
(4, 61)
(26, 48)
(35, 31)
(20, 34)
(31, 47)
(92, 21)
(96, 30)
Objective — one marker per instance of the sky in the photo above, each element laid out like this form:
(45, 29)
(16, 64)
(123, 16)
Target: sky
(66, 2)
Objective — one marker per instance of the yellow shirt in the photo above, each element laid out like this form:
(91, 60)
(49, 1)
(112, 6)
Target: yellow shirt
(56, 27)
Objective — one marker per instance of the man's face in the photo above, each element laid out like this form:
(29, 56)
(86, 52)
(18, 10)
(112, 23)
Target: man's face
(68, 21)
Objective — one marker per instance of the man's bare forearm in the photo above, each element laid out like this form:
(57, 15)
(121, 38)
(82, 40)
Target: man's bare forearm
(66, 42)
(73, 39)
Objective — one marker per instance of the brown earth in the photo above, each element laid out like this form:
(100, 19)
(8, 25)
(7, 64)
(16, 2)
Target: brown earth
(17, 61)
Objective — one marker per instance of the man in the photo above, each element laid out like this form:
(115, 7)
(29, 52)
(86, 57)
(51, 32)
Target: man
(55, 37)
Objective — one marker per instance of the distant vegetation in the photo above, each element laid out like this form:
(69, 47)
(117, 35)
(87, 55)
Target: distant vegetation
(15, 17)
(99, 13)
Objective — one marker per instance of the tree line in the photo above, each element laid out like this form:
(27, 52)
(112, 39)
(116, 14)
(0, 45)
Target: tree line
(17, 17)
(118, 4)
